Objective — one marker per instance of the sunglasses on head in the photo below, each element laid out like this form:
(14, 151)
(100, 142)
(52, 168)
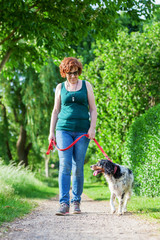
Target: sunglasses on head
(74, 73)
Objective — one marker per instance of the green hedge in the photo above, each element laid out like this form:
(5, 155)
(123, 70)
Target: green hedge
(142, 152)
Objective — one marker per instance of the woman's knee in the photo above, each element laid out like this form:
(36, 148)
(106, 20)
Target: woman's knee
(65, 168)
(77, 171)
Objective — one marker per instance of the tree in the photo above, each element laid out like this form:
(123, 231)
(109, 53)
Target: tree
(29, 99)
(85, 50)
(27, 26)
(127, 22)
(125, 75)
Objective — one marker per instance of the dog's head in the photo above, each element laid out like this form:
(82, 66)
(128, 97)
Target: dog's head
(103, 166)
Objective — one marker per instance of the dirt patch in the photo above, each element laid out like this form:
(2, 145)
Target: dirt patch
(94, 223)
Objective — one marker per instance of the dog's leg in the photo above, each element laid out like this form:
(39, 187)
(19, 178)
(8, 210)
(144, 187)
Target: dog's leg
(113, 209)
(128, 195)
(121, 201)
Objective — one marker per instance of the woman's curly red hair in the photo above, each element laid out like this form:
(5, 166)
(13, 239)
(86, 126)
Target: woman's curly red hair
(68, 63)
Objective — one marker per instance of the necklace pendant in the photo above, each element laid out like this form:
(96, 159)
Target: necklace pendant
(73, 99)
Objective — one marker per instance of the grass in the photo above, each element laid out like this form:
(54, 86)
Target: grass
(12, 206)
(146, 207)
(19, 187)
(97, 191)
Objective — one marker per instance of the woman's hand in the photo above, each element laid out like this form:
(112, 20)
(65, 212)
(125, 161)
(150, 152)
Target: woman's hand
(91, 133)
(51, 137)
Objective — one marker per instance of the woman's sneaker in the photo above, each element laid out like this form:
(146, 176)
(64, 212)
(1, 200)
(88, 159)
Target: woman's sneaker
(76, 208)
(63, 210)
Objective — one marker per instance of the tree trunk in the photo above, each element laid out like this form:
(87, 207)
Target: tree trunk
(22, 150)
(47, 158)
(5, 59)
(6, 131)
(8, 150)
(46, 165)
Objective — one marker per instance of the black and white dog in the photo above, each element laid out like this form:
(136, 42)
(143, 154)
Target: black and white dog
(120, 181)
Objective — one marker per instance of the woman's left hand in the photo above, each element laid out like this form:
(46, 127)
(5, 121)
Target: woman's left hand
(91, 133)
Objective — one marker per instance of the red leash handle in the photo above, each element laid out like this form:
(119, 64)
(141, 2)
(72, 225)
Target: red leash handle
(52, 142)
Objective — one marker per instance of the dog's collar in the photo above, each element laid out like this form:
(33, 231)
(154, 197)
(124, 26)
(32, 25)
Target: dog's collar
(115, 169)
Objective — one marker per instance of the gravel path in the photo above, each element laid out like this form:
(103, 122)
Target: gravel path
(94, 223)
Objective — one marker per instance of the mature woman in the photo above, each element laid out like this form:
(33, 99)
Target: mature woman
(74, 99)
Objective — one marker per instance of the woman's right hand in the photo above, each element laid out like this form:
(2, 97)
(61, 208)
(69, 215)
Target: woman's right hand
(51, 137)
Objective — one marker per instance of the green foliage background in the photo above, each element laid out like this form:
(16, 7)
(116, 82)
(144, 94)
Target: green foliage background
(125, 76)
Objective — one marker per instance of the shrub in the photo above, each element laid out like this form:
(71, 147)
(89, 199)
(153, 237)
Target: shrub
(142, 152)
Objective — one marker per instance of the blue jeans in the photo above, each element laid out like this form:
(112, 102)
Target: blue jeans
(71, 160)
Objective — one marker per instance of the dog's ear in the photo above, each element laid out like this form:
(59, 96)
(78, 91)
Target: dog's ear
(109, 167)
(103, 163)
